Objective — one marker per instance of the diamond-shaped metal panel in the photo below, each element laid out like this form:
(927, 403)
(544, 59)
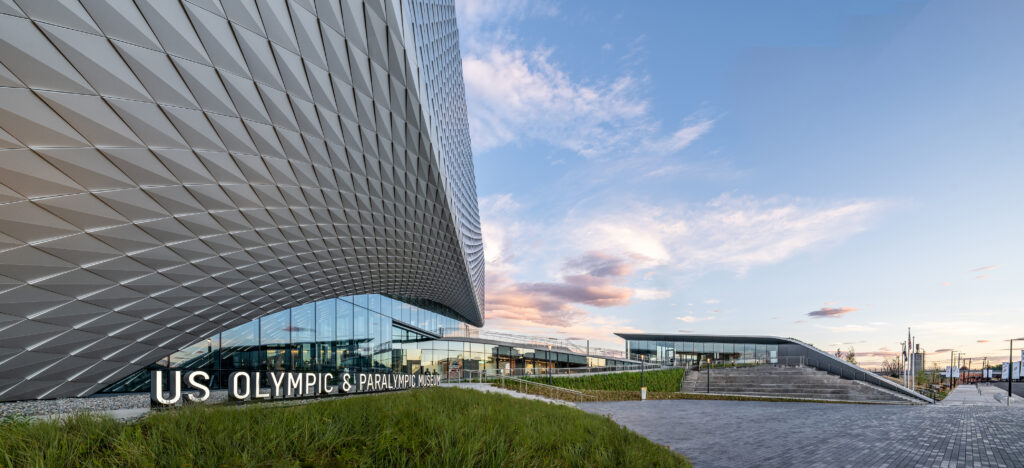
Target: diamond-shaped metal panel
(169, 169)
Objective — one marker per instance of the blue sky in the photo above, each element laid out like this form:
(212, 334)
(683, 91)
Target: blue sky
(732, 167)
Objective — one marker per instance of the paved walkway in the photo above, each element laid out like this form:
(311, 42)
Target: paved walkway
(980, 395)
(1018, 387)
(764, 434)
(488, 388)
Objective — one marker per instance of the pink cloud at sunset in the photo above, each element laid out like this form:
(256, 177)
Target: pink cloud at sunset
(831, 312)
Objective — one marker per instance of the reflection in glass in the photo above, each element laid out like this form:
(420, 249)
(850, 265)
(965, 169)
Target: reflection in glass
(304, 324)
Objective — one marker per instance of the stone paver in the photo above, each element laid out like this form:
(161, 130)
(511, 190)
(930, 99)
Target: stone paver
(982, 394)
(764, 434)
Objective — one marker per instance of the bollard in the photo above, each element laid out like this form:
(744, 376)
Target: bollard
(643, 393)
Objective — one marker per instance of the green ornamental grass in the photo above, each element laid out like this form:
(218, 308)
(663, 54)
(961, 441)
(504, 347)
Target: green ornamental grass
(425, 427)
(656, 381)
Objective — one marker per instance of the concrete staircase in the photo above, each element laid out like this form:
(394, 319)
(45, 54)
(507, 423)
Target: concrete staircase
(788, 382)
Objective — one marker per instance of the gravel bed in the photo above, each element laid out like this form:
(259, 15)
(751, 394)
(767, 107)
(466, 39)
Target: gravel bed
(103, 403)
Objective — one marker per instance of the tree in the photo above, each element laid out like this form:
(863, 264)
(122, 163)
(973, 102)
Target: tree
(839, 353)
(851, 356)
(891, 367)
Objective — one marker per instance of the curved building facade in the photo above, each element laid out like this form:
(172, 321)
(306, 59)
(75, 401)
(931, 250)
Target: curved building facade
(178, 168)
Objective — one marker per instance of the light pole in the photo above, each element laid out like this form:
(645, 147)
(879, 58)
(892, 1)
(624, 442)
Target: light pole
(550, 380)
(643, 365)
(709, 375)
(1009, 376)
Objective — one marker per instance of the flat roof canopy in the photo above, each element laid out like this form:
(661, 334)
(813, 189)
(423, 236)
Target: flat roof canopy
(705, 338)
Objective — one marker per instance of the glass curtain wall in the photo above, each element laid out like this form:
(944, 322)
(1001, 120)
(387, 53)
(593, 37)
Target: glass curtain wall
(681, 353)
(445, 357)
(355, 333)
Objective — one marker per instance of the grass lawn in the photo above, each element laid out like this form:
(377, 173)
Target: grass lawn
(425, 427)
(626, 395)
(656, 381)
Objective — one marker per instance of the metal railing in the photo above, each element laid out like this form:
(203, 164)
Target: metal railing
(782, 361)
(560, 345)
(551, 391)
(480, 375)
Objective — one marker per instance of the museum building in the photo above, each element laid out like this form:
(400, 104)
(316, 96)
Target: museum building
(231, 185)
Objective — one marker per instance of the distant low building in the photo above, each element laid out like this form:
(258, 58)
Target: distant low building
(691, 350)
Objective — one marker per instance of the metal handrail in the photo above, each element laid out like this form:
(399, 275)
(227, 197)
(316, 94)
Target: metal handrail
(540, 343)
(480, 374)
(523, 382)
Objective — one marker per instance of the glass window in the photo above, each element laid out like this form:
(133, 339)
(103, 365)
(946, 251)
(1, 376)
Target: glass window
(344, 325)
(325, 320)
(361, 330)
(374, 300)
(385, 331)
(304, 323)
(274, 328)
(196, 356)
(239, 346)
(242, 335)
(374, 333)
(361, 300)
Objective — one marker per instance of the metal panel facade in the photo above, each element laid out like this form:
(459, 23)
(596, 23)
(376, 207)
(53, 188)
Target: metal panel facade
(169, 169)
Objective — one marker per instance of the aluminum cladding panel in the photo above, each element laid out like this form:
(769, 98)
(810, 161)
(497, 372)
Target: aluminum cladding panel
(169, 169)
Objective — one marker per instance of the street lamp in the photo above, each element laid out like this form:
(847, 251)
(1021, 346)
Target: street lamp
(643, 364)
(709, 375)
(1009, 376)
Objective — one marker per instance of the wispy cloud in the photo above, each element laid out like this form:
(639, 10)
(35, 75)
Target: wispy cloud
(595, 260)
(735, 233)
(518, 93)
(556, 302)
(681, 138)
(651, 294)
(831, 312)
(881, 353)
(942, 350)
(982, 341)
(984, 268)
(474, 15)
(692, 319)
(515, 95)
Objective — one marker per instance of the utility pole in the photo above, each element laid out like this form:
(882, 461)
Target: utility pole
(1009, 377)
